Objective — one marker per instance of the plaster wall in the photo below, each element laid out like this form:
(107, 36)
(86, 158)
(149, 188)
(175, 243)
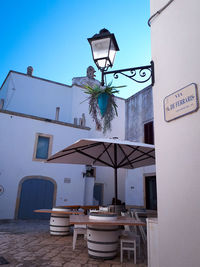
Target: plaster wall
(106, 176)
(38, 97)
(17, 139)
(139, 110)
(5, 94)
(175, 52)
(89, 186)
(135, 186)
(28, 95)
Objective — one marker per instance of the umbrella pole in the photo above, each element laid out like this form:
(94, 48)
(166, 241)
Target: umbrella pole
(116, 186)
(115, 164)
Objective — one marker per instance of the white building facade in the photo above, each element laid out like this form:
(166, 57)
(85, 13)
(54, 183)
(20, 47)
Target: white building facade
(175, 51)
(140, 182)
(35, 110)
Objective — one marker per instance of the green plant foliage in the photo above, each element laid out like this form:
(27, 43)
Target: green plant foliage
(102, 122)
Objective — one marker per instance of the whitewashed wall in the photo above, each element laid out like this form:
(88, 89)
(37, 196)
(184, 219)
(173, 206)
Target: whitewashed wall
(17, 138)
(139, 110)
(32, 96)
(175, 50)
(135, 186)
(29, 95)
(106, 175)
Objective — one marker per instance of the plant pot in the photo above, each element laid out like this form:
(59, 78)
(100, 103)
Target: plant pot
(102, 101)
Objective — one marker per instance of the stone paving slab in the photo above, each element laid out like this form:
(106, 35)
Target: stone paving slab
(29, 244)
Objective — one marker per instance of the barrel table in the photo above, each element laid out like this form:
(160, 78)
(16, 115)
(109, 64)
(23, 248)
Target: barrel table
(103, 232)
(59, 221)
(102, 241)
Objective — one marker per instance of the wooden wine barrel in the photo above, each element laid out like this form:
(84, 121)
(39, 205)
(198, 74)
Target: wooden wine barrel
(102, 240)
(59, 223)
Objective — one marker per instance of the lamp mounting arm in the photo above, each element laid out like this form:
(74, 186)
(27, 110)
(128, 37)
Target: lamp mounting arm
(140, 74)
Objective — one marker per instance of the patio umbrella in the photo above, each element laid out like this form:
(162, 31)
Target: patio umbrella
(112, 153)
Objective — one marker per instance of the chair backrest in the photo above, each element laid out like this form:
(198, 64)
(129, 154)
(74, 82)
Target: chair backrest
(133, 228)
(125, 213)
(126, 227)
(82, 226)
(104, 208)
(93, 211)
(141, 228)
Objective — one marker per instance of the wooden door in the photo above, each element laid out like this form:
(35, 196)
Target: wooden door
(35, 194)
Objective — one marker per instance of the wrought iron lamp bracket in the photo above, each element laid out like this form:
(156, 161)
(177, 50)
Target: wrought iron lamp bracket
(138, 74)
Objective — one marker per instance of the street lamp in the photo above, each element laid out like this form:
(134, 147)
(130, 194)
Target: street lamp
(104, 47)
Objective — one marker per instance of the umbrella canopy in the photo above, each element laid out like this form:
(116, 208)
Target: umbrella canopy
(107, 152)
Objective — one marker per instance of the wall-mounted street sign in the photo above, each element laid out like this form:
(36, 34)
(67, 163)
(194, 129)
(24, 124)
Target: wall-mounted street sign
(181, 102)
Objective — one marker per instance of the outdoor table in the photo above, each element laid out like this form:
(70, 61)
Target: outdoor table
(87, 208)
(143, 215)
(73, 207)
(59, 212)
(59, 221)
(121, 220)
(103, 235)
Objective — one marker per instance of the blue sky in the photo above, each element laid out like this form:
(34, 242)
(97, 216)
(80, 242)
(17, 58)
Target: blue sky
(51, 36)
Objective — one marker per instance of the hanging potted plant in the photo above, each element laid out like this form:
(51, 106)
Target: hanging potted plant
(102, 105)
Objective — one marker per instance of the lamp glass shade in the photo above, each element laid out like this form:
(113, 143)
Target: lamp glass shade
(100, 50)
(104, 47)
(112, 53)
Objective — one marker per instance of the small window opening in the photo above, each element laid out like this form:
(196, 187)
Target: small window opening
(149, 133)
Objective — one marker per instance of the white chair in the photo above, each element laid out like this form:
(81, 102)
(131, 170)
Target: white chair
(131, 230)
(142, 228)
(103, 208)
(79, 230)
(93, 211)
(129, 241)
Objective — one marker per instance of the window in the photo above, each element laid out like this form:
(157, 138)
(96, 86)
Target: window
(43, 146)
(149, 133)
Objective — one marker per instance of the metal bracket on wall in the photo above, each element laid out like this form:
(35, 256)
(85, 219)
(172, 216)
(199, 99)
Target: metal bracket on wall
(138, 74)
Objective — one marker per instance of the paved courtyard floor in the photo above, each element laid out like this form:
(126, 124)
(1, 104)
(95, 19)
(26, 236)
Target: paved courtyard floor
(29, 244)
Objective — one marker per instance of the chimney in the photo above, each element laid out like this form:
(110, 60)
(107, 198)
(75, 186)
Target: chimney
(57, 113)
(29, 71)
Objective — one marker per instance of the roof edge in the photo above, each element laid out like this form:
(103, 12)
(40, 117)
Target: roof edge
(18, 114)
(35, 77)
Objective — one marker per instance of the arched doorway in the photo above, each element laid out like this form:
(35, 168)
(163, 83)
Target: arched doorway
(35, 192)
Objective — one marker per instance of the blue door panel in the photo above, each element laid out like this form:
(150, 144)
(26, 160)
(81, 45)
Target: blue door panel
(98, 193)
(35, 194)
